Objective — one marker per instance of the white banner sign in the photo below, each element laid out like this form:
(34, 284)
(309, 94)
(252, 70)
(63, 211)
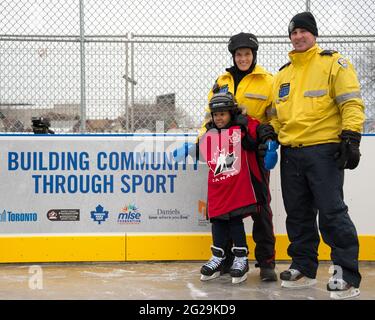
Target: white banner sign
(122, 183)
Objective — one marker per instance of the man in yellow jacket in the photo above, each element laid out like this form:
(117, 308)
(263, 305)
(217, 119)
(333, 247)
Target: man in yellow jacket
(318, 115)
(251, 85)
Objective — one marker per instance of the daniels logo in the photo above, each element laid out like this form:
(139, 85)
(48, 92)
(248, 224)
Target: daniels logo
(168, 214)
(167, 211)
(129, 215)
(223, 163)
(10, 216)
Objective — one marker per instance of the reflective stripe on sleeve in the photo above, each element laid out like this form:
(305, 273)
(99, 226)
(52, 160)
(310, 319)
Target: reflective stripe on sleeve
(347, 96)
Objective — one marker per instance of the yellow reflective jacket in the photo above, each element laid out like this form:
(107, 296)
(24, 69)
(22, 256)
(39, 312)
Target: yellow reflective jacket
(315, 97)
(254, 94)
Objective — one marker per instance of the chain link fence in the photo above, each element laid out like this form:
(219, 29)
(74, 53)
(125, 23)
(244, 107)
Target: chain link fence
(125, 66)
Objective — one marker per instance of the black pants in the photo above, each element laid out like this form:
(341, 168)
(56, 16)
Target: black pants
(223, 230)
(311, 183)
(263, 234)
(264, 238)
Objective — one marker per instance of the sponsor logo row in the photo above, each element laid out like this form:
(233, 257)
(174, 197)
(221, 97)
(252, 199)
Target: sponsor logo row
(129, 214)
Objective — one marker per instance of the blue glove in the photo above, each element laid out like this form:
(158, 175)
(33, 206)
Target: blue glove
(182, 152)
(270, 159)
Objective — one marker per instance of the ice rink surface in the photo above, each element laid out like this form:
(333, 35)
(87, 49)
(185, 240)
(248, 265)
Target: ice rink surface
(154, 281)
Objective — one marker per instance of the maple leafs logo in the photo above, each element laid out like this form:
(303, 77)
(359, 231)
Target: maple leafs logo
(99, 214)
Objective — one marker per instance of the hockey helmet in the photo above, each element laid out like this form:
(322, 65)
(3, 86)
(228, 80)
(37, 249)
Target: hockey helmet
(222, 101)
(243, 40)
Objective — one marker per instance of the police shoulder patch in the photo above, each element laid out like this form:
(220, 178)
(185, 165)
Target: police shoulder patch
(284, 90)
(327, 52)
(224, 89)
(285, 65)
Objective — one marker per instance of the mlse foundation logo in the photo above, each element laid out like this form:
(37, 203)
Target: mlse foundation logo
(129, 215)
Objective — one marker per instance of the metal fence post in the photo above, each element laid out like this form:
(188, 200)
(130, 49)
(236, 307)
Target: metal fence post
(133, 82)
(83, 71)
(308, 5)
(127, 118)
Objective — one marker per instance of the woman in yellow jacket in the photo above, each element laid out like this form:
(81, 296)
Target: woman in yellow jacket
(251, 85)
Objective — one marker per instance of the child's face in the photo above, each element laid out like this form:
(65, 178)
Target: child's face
(221, 119)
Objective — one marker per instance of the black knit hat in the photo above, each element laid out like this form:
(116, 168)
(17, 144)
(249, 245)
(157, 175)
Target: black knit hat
(303, 20)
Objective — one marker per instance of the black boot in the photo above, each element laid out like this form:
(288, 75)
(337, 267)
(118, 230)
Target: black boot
(268, 274)
(267, 271)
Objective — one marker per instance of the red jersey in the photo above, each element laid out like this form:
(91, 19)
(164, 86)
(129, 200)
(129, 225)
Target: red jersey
(230, 173)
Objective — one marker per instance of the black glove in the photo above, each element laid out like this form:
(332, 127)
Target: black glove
(262, 149)
(348, 156)
(248, 143)
(266, 132)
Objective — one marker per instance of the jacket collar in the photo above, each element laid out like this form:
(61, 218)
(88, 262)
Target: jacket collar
(258, 70)
(301, 58)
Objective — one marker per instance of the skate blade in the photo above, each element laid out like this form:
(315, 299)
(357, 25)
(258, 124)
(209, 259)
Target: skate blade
(236, 280)
(298, 284)
(347, 294)
(208, 278)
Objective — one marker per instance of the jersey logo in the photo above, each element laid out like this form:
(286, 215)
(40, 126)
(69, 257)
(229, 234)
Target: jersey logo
(284, 90)
(223, 163)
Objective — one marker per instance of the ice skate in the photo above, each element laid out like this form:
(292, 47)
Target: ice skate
(240, 265)
(340, 289)
(294, 279)
(214, 267)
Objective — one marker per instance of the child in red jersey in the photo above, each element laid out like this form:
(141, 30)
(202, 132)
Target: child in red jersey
(235, 183)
